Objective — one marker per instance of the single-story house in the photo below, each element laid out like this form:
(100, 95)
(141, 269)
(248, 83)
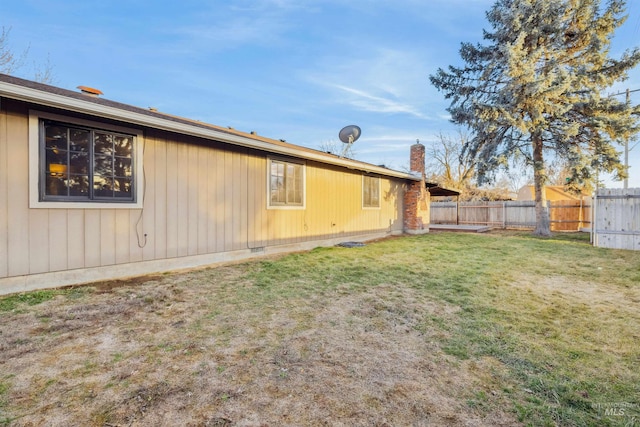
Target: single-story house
(92, 189)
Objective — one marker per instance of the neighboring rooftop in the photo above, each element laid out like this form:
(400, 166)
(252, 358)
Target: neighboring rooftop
(553, 192)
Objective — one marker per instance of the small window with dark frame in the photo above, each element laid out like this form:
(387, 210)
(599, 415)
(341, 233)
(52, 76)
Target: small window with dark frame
(83, 164)
(286, 183)
(370, 192)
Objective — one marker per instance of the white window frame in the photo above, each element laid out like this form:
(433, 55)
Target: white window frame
(304, 183)
(34, 164)
(364, 179)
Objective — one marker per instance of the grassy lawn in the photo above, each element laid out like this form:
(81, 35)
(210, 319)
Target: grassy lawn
(441, 329)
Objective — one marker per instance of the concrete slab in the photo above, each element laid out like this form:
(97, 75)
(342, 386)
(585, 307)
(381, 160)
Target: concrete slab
(461, 227)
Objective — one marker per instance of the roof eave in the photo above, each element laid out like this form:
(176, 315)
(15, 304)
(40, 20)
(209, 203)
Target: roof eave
(54, 100)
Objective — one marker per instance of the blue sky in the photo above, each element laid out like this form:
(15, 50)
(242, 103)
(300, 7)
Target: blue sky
(299, 70)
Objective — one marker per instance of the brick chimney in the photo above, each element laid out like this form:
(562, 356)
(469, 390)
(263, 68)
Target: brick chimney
(416, 197)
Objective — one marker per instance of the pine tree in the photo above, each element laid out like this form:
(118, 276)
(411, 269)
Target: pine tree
(536, 89)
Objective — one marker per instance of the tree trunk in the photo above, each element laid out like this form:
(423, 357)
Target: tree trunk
(543, 222)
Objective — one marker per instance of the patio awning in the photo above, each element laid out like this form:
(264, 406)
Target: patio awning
(441, 191)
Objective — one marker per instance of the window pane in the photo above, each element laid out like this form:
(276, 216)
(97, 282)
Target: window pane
(366, 193)
(278, 186)
(103, 165)
(290, 184)
(123, 146)
(79, 163)
(56, 165)
(56, 161)
(122, 167)
(55, 186)
(103, 143)
(78, 185)
(298, 185)
(79, 140)
(123, 187)
(291, 193)
(375, 193)
(371, 192)
(102, 186)
(55, 137)
(281, 195)
(273, 189)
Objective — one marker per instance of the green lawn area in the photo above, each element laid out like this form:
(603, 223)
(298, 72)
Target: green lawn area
(500, 328)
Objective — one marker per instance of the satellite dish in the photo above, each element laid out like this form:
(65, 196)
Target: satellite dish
(349, 135)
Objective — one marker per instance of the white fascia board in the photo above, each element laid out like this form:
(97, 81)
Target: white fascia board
(80, 106)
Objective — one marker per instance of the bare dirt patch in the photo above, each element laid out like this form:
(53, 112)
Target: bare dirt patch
(194, 349)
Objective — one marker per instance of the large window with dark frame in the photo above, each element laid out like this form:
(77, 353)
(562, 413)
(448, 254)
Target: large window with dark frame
(286, 183)
(370, 192)
(84, 164)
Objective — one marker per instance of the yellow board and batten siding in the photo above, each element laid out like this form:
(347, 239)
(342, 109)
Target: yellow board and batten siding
(200, 197)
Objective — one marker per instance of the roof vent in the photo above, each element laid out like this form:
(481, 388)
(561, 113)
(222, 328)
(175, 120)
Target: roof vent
(90, 91)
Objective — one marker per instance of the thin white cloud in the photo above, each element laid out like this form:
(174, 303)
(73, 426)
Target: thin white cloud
(368, 102)
(375, 79)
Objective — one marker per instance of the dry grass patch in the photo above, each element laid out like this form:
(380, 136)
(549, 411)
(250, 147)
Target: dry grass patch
(201, 351)
(442, 329)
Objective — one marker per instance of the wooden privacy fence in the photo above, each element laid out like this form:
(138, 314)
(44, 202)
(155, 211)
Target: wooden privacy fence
(566, 215)
(617, 218)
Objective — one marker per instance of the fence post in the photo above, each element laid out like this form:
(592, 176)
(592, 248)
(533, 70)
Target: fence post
(504, 215)
(580, 215)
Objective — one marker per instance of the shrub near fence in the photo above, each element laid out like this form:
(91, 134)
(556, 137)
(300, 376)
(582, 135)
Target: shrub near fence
(565, 215)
